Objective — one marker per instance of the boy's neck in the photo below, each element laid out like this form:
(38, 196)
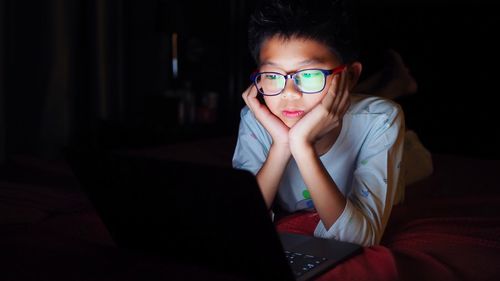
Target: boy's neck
(324, 144)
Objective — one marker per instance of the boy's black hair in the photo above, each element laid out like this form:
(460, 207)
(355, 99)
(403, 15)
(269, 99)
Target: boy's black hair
(330, 22)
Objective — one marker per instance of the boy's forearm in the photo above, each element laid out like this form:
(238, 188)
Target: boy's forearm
(328, 200)
(269, 176)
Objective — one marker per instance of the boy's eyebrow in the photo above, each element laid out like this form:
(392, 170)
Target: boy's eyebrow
(311, 61)
(304, 62)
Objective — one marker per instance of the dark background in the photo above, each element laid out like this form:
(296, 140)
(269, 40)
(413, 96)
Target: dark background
(99, 72)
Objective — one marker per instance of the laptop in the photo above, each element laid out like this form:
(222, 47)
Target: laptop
(198, 214)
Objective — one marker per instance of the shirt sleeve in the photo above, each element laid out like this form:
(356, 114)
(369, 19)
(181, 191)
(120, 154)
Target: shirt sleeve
(252, 146)
(376, 181)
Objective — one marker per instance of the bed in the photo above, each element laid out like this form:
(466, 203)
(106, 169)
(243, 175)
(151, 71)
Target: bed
(448, 228)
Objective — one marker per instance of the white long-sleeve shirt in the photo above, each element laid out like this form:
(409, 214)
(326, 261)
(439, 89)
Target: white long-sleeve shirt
(365, 163)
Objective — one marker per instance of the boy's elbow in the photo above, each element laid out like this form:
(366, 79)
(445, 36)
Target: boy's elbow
(370, 239)
(368, 236)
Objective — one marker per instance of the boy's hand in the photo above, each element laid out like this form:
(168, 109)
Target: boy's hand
(274, 126)
(323, 117)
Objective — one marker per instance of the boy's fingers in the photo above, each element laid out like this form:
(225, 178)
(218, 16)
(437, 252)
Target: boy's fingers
(340, 88)
(246, 93)
(344, 99)
(330, 95)
(344, 106)
(250, 98)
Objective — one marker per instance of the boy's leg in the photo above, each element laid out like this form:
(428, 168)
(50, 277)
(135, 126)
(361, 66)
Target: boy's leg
(391, 82)
(394, 81)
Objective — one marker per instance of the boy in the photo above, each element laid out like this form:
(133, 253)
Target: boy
(311, 143)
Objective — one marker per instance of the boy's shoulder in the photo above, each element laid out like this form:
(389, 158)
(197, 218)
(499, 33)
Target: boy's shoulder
(244, 111)
(247, 115)
(249, 124)
(367, 104)
(248, 119)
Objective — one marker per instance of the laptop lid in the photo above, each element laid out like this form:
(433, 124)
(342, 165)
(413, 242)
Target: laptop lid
(184, 212)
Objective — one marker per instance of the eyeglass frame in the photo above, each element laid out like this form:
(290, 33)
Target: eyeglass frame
(326, 72)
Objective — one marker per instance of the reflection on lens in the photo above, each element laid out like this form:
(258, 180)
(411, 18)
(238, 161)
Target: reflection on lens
(271, 83)
(310, 81)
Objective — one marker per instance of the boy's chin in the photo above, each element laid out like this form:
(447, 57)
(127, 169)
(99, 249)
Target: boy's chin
(290, 123)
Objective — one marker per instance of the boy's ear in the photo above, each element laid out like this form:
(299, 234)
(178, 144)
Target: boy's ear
(353, 74)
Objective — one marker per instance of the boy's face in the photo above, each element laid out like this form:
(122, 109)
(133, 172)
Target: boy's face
(288, 56)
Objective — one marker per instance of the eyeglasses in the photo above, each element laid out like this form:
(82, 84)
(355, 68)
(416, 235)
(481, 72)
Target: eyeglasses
(307, 81)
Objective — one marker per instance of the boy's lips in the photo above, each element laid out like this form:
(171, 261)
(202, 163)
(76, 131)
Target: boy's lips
(289, 113)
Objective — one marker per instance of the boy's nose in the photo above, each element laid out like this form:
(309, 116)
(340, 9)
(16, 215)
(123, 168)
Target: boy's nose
(290, 91)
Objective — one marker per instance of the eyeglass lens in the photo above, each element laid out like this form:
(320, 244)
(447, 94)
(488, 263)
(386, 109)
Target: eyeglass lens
(307, 81)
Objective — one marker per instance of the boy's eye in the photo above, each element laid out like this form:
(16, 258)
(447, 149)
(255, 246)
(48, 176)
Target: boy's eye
(271, 76)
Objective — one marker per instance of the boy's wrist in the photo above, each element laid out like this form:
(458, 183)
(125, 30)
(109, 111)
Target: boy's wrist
(281, 148)
(300, 149)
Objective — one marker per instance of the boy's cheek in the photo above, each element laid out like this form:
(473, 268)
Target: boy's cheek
(272, 105)
(276, 112)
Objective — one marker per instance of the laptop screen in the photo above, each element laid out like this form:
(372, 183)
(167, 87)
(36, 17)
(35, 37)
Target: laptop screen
(184, 212)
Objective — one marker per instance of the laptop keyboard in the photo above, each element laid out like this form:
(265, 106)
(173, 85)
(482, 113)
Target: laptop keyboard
(302, 263)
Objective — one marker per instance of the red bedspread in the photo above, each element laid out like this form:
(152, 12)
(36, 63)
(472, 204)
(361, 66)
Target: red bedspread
(454, 239)
(448, 229)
